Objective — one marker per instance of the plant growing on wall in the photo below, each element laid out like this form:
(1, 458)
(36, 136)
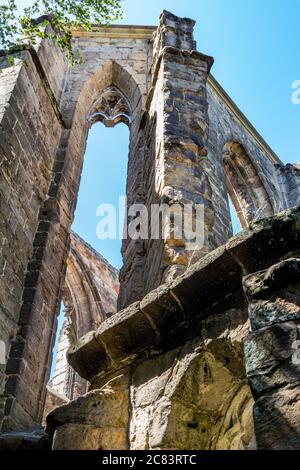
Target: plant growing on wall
(55, 20)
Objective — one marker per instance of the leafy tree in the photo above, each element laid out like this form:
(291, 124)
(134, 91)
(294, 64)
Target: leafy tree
(20, 28)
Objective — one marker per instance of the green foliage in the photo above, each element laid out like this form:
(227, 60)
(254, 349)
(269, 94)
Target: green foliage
(62, 15)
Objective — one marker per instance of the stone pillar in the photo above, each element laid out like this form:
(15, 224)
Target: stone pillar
(177, 102)
(272, 354)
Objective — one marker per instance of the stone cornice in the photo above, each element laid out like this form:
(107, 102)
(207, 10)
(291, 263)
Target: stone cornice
(241, 118)
(116, 32)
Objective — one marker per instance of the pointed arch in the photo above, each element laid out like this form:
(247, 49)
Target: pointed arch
(110, 77)
(245, 187)
(85, 301)
(89, 295)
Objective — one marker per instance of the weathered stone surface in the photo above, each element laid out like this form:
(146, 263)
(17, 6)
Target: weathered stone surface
(114, 410)
(265, 283)
(173, 312)
(89, 296)
(53, 400)
(189, 144)
(277, 420)
(269, 355)
(91, 287)
(98, 420)
(85, 437)
(125, 333)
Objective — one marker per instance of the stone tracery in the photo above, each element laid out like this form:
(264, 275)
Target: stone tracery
(112, 108)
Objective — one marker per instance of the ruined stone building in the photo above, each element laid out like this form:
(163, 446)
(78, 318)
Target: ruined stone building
(203, 352)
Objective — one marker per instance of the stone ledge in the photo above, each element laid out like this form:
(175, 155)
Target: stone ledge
(32, 441)
(172, 314)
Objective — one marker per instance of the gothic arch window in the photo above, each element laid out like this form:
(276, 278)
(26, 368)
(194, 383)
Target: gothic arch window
(109, 97)
(245, 187)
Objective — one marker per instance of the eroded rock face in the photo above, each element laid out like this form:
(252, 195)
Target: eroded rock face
(192, 398)
(272, 354)
(277, 419)
(98, 420)
(90, 296)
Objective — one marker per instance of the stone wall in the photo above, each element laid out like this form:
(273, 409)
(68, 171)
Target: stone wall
(30, 133)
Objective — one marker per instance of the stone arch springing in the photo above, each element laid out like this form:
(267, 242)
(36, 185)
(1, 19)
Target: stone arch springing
(245, 187)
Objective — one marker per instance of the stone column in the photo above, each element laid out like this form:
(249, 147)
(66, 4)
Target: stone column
(178, 102)
(272, 354)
